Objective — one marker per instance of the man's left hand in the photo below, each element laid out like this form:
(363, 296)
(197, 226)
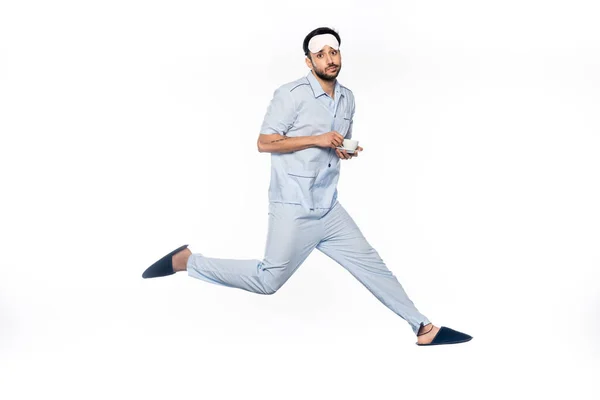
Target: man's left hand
(344, 155)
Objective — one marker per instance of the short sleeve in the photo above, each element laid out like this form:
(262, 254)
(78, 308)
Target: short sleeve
(281, 113)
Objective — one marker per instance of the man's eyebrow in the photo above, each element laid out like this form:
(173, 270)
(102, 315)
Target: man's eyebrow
(320, 51)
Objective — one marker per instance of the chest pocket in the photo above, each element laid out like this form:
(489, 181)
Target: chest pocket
(342, 122)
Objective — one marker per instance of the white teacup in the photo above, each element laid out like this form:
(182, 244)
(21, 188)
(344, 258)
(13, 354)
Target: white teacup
(350, 144)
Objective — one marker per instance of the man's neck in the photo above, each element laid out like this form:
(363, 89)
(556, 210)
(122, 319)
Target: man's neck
(328, 86)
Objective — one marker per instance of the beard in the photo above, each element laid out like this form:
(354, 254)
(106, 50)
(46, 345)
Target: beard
(327, 75)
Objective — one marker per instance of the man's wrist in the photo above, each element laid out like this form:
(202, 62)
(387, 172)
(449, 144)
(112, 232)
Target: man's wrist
(314, 141)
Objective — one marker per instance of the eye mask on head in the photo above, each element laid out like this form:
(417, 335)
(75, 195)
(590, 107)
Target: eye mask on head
(317, 42)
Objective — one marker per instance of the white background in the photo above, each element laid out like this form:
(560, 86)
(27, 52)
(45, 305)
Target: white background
(129, 128)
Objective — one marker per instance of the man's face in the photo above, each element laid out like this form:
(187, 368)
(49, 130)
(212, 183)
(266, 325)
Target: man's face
(326, 64)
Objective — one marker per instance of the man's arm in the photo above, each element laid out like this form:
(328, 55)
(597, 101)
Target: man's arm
(275, 143)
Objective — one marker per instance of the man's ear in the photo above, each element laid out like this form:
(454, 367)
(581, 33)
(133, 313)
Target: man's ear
(308, 62)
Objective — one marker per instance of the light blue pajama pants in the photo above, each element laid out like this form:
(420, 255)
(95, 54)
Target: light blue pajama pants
(293, 234)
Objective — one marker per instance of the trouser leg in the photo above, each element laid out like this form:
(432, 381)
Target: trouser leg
(292, 236)
(344, 243)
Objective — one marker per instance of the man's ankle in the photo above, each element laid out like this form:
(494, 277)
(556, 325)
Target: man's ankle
(180, 260)
(425, 328)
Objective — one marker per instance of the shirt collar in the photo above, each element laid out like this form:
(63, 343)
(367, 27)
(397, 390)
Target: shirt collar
(318, 90)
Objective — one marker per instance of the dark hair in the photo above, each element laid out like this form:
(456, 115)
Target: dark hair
(318, 31)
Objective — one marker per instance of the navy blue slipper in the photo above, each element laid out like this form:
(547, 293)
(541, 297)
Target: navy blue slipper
(447, 336)
(162, 267)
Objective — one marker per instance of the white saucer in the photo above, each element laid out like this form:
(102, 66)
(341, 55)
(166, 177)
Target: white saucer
(347, 150)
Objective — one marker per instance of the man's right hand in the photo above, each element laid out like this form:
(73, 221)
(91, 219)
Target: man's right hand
(330, 139)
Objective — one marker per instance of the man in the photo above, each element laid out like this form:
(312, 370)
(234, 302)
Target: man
(303, 129)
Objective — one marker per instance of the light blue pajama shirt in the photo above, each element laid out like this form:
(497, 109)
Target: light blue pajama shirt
(304, 212)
